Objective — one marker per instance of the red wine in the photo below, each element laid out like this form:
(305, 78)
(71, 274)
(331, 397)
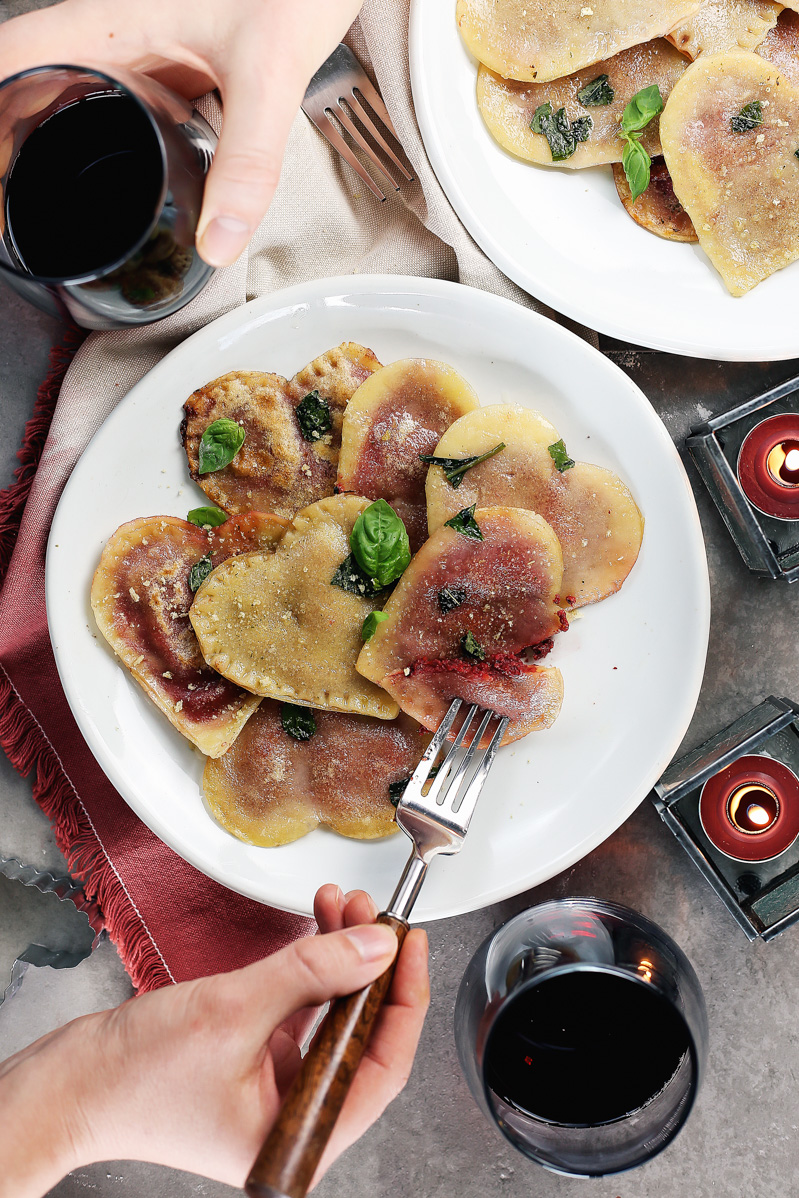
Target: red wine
(84, 187)
(584, 1048)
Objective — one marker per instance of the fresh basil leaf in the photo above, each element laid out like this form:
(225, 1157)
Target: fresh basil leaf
(350, 577)
(455, 468)
(199, 572)
(465, 523)
(637, 166)
(219, 444)
(369, 626)
(379, 543)
(597, 93)
(207, 517)
(559, 456)
(450, 597)
(313, 416)
(748, 118)
(560, 134)
(397, 789)
(299, 722)
(645, 104)
(472, 648)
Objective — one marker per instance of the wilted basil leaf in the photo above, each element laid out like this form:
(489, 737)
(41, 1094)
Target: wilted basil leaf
(369, 626)
(350, 577)
(561, 135)
(597, 93)
(559, 456)
(472, 648)
(207, 517)
(313, 416)
(199, 572)
(299, 722)
(466, 524)
(455, 468)
(449, 598)
(645, 104)
(397, 789)
(380, 544)
(748, 118)
(219, 444)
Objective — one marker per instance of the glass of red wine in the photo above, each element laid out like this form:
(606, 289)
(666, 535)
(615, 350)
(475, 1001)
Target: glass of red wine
(582, 1032)
(102, 181)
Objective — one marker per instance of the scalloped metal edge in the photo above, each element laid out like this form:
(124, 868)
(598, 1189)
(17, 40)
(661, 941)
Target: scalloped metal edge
(67, 890)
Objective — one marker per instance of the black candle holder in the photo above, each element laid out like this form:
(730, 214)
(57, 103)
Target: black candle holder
(770, 547)
(762, 896)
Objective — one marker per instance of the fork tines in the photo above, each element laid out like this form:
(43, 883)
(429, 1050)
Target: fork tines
(455, 787)
(340, 81)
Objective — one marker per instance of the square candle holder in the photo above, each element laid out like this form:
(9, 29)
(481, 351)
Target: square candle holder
(761, 895)
(768, 545)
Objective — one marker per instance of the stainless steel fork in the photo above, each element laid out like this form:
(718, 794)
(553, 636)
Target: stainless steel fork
(340, 81)
(436, 820)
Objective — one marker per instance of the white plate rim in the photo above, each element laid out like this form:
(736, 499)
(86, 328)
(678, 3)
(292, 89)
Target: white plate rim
(305, 296)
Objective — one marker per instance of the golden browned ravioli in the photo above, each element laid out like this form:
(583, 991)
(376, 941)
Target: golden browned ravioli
(508, 106)
(141, 596)
(277, 625)
(591, 511)
(740, 188)
(395, 417)
(781, 45)
(276, 469)
(657, 210)
(270, 788)
(462, 615)
(536, 40)
(725, 25)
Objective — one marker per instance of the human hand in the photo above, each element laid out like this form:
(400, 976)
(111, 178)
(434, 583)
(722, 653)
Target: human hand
(192, 1076)
(261, 55)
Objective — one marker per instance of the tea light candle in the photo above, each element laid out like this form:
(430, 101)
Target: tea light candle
(750, 810)
(768, 466)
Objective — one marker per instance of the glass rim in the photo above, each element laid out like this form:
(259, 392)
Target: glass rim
(118, 85)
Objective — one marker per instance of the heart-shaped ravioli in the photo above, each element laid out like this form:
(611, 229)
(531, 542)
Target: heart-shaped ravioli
(463, 612)
(292, 429)
(271, 788)
(536, 40)
(591, 511)
(141, 596)
(398, 415)
(508, 106)
(730, 132)
(278, 625)
(781, 44)
(725, 25)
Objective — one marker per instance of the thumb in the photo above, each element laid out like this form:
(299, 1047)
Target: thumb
(318, 968)
(260, 102)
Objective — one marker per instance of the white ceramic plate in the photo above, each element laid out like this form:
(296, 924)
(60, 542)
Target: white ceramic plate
(632, 665)
(564, 236)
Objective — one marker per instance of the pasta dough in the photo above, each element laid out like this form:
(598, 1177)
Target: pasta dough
(725, 24)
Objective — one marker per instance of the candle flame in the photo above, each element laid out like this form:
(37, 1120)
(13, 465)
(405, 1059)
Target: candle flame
(757, 814)
(792, 459)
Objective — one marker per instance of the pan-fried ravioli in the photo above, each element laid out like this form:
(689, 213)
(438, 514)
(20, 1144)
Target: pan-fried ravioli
(536, 40)
(781, 45)
(463, 613)
(591, 511)
(725, 25)
(277, 625)
(657, 210)
(270, 788)
(277, 469)
(740, 188)
(141, 596)
(396, 416)
(508, 106)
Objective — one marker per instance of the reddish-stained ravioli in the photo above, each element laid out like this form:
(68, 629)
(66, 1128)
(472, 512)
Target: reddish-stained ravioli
(141, 596)
(277, 469)
(270, 788)
(398, 415)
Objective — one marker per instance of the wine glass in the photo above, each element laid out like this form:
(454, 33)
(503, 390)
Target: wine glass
(102, 181)
(581, 1029)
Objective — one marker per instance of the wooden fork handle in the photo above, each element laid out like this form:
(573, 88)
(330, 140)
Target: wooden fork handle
(293, 1148)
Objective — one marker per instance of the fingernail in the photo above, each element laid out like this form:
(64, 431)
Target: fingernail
(373, 941)
(340, 900)
(372, 904)
(223, 240)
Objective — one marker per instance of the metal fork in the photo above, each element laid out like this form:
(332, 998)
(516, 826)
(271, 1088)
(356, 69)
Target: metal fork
(342, 80)
(436, 822)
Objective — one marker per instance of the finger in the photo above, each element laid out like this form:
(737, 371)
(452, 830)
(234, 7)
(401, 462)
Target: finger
(286, 1059)
(328, 908)
(359, 907)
